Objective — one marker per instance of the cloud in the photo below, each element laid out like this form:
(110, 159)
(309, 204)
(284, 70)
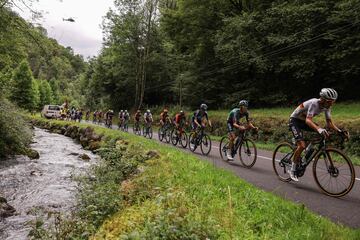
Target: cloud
(76, 39)
(85, 34)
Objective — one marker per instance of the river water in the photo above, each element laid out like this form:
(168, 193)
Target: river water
(36, 188)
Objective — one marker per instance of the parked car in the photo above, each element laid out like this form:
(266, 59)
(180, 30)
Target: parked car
(51, 111)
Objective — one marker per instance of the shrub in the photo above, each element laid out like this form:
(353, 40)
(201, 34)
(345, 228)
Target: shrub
(14, 132)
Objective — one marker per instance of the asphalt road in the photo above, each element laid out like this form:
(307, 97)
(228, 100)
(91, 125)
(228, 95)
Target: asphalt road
(344, 210)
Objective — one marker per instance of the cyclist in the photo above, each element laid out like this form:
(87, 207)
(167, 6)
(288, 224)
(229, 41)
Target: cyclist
(87, 116)
(164, 117)
(126, 118)
(199, 115)
(94, 116)
(180, 120)
(108, 117)
(100, 116)
(233, 121)
(148, 119)
(137, 118)
(121, 118)
(302, 120)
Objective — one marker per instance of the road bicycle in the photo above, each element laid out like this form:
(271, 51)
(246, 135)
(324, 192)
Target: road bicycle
(243, 145)
(200, 138)
(147, 130)
(165, 132)
(108, 123)
(333, 171)
(136, 128)
(179, 136)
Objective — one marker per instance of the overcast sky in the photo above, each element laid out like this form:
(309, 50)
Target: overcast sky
(84, 35)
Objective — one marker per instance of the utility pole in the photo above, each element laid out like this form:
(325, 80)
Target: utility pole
(181, 77)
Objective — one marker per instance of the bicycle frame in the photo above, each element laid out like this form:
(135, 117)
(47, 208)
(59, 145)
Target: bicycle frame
(306, 161)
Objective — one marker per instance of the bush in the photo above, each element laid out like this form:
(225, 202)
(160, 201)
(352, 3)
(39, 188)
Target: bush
(14, 132)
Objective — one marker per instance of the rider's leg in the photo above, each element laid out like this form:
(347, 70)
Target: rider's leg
(295, 128)
(229, 154)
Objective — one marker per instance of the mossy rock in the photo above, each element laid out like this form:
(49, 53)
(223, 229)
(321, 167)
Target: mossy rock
(94, 145)
(32, 154)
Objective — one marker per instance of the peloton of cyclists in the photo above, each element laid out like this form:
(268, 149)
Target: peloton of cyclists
(233, 123)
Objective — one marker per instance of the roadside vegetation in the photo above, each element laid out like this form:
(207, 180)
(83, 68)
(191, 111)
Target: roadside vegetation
(138, 193)
(14, 131)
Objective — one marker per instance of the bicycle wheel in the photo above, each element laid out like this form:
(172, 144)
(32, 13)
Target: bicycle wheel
(205, 145)
(174, 137)
(192, 142)
(160, 134)
(183, 140)
(224, 148)
(150, 133)
(248, 153)
(282, 160)
(144, 131)
(168, 135)
(333, 172)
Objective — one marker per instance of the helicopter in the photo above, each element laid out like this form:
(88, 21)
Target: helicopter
(69, 19)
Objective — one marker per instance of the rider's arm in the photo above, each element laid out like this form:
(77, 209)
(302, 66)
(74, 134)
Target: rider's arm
(251, 126)
(311, 124)
(330, 124)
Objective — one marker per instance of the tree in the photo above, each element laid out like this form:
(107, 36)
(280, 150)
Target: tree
(46, 94)
(23, 93)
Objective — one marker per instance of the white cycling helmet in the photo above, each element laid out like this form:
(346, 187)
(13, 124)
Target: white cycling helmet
(203, 106)
(126, 111)
(148, 111)
(243, 103)
(328, 93)
(121, 110)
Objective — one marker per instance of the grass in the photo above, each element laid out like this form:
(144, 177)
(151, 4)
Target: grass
(340, 111)
(177, 196)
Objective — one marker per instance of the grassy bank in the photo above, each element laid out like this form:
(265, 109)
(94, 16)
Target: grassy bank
(170, 194)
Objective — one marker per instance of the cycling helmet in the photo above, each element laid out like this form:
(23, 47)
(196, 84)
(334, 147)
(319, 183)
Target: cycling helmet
(126, 111)
(182, 112)
(138, 111)
(328, 94)
(243, 103)
(203, 106)
(148, 111)
(165, 110)
(121, 110)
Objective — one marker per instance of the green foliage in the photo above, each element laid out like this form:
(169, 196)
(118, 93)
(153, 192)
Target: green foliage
(46, 94)
(14, 132)
(269, 52)
(24, 90)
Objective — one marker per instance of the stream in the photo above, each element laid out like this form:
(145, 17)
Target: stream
(37, 188)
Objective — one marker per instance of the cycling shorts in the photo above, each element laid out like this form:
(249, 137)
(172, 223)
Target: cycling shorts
(297, 126)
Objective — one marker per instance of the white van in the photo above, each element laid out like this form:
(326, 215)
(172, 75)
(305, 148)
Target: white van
(51, 111)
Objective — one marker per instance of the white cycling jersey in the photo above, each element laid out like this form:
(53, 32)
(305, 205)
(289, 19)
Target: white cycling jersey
(310, 108)
(148, 116)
